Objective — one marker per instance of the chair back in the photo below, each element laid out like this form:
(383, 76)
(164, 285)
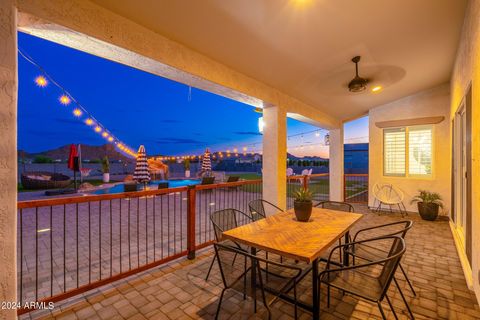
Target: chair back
(304, 172)
(227, 219)
(391, 262)
(289, 172)
(233, 178)
(387, 193)
(259, 208)
(336, 205)
(207, 180)
(130, 187)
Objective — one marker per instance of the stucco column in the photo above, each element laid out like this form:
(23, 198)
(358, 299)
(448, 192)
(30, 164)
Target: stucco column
(8, 155)
(336, 164)
(275, 155)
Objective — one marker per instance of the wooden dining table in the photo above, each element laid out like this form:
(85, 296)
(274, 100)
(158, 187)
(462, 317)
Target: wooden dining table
(284, 235)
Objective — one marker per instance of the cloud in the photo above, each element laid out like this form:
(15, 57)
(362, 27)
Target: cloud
(248, 133)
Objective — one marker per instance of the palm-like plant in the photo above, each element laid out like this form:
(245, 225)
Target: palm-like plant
(303, 195)
(428, 197)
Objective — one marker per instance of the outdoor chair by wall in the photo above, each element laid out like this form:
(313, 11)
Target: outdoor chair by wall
(282, 278)
(163, 185)
(207, 180)
(387, 194)
(359, 280)
(130, 187)
(232, 179)
(223, 220)
(368, 253)
(338, 206)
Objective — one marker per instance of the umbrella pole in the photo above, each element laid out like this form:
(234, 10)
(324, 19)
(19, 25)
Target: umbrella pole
(75, 180)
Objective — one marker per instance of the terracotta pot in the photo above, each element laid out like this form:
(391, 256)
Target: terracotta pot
(303, 210)
(428, 211)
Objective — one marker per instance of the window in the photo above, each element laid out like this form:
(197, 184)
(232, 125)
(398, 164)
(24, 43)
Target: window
(408, 151)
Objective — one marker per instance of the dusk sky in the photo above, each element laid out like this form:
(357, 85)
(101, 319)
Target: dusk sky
(140, 108)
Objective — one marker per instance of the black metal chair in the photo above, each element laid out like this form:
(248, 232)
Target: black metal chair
(258, 208)
(283, 277)
(370, 253)
(223, 220)
(338, 206)
(370, 280)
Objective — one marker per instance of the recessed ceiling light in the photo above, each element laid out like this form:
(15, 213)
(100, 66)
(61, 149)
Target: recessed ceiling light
(376, 88)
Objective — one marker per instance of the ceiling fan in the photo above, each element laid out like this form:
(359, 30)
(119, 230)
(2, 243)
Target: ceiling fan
(358, 83)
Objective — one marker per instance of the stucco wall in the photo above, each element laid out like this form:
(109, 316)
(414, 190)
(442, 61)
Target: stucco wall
(8, 155)
(467, 71)
(428, 103)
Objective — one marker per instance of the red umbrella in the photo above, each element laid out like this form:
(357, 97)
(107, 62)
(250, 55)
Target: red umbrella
(71, 157)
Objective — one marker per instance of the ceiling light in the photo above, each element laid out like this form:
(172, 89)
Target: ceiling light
(376, 88)
(358, 83)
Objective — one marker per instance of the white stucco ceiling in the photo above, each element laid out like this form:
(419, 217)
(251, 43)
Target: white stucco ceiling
(304, 47)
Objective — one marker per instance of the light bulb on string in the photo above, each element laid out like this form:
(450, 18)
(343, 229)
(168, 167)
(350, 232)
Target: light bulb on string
(77, 112)
(110, 139)
(105, 134)
(98, 129)
(41, 81)
(89, 122)
(64, 99)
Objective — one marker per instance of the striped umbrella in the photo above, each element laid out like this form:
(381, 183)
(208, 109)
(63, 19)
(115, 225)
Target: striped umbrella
(206, 162)
(141, 173)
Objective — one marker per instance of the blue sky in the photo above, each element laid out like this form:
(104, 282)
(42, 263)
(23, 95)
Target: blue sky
(137, 107)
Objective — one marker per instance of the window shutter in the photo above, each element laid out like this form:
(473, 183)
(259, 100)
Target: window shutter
(420, 150)
(394, 142)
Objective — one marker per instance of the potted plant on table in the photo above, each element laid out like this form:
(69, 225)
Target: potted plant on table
(186, 165)
(428, 204)
(302, 204)
(106, 169)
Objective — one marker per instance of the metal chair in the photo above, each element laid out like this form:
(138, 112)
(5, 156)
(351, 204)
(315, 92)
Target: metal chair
(284, 276)
(370, 280)
(258, 208)
(369, 253)
(338, 206)
(223, 220)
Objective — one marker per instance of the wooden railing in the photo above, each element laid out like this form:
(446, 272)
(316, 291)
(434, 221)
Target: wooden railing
(67, 246)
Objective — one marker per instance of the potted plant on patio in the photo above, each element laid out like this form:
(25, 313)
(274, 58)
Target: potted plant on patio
(106, 169)
(428, 204)
(302, 204)
(186, 165)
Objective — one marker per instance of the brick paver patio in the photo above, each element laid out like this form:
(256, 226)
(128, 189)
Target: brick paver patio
(178, 290)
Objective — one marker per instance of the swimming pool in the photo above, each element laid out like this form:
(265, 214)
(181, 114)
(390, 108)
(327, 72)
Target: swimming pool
(153, 185)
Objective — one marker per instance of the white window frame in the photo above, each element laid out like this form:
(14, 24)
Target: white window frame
(407, 153)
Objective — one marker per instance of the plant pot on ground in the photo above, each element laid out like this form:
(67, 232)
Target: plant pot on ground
(302, 205)
(106, 169)
(428, 204)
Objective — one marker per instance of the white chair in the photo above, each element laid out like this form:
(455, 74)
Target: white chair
(289, 172)
(387, 194)
(305, 172)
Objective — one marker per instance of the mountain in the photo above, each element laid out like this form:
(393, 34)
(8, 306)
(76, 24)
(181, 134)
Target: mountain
(88, 153)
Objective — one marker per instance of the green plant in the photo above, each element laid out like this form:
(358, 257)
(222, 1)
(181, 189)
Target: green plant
(303, 195)
(186, 164)
(105, 165)
(428, 197)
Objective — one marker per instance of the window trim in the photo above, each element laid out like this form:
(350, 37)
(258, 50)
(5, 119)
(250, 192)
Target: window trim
(407, 152)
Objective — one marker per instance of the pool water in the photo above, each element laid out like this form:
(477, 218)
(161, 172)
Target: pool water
(153, 185)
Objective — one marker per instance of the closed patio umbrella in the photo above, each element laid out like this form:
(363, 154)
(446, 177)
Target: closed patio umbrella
(141, 174)
(73, 163)
(206, 162)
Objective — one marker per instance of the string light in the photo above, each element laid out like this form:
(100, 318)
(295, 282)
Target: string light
(110, 139)
(105, 135)
(98, 129)
(41, 81)
(77, 112)
(64, 99)
(89, 122)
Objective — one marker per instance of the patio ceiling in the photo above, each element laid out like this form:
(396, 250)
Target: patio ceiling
(304, 47)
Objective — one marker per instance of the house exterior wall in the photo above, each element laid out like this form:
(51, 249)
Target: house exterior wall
(8, 156)
(428, 103)
(466, 72)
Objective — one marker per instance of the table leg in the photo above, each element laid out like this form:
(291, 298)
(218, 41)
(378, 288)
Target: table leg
(315, 291)
(254, 279)
(345, 254)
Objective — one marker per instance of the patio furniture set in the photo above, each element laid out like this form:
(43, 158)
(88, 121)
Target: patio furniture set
(363, 264)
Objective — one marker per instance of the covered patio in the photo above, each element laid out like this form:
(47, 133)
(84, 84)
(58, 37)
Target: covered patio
(178, 290)
(145, 254)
